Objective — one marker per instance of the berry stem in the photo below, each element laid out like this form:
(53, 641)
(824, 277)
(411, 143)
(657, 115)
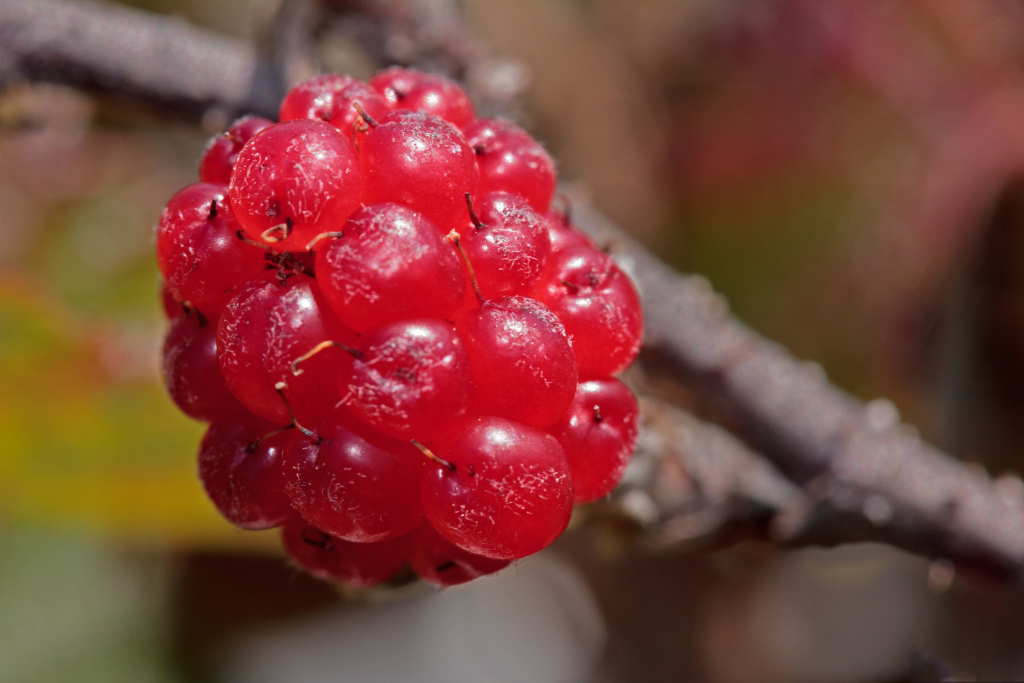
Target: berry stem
(454, 238)
(240, 234)
(256, 444)
(440, 461)
(322, 236)
(477, 223)
(213, 210)
(572, 288)
(296, 370)
(597, 414)
(279, 388)
(370, 121)
(279, 232)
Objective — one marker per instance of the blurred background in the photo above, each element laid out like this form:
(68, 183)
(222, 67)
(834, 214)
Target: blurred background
(850, 174)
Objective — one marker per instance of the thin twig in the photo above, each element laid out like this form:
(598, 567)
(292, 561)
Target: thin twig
(132, 52)
(690, 480)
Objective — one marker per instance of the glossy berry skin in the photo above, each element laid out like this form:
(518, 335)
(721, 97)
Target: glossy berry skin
(508, 492)
(358, 485)
(422, 162)
(219, 156)
(512, 161)
(391, 264)
(563, 234)
(266, 326)
(599, 307)
(201, 259)
(598, 434)
(332, 559)
(243, 479)
(293, 181)
(523, 366)
(412, 90)
(382, 396)
(330, 98)
(191, 373)
(437, 561)
(410, 380)
(510, 249)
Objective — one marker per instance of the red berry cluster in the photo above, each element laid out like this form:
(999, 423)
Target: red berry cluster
(404, 355)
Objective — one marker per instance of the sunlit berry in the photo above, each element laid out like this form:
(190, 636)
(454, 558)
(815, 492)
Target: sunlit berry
(523, 366)
(598, 434)
(202, 260)
(219, 156)
(598, 305)
(508, 244)
(502, 491)
(331, 98)
(354, 483)
(388, 264)
(266, 327)
(422, 162)
(240, 467)
(408, 379)
(412, 90)
(563, 233)
(293, 181)
(191, 372)
(512, 161)
(385, 322)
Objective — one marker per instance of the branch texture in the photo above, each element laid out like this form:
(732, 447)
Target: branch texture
(690, 481)
(131, 52)
(827, 446)
(858, 453)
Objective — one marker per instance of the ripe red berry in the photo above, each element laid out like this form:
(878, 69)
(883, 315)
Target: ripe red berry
(265, 328)
(191, 372)
(503, 491)
(598, 306)
(293, 181)
(326, 557)
(443, 563)
(197, 251)
(240, 467)
(422, 162)
(508, 244)
(412, 90)
(563, 234)
(523, 366)
(331, 98)
(219, 156)
(360, 391)
(356, 484)
(409, 379)
(512, 161)
(390, 264)
(598, 434)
